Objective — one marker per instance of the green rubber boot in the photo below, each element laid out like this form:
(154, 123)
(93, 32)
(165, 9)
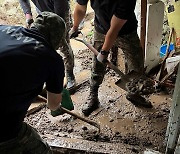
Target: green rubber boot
(66, 103)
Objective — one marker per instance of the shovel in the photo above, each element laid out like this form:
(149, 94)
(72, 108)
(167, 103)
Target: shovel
(125, 78)
(75, 115)
(129, 82)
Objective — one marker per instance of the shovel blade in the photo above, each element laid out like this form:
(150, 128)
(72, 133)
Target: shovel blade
(125, 79)
(122, 84)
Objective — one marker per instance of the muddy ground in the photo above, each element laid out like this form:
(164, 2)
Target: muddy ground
(127, 128)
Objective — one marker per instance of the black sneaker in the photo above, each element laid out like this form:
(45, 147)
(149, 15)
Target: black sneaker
(138, 100)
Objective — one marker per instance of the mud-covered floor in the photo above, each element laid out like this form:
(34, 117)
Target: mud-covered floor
(132, 129)
(124, 127)
(120, 121)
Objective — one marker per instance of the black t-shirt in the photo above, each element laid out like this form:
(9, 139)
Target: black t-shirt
(27, 61)
(60, 7)
(105, 9)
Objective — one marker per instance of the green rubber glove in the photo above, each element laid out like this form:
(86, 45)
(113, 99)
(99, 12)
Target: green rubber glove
(66, 103)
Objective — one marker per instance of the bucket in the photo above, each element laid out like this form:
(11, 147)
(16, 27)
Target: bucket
(163, 49)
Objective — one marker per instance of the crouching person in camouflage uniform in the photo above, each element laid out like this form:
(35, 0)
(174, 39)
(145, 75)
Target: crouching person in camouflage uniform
(28, 59)
(115, 24)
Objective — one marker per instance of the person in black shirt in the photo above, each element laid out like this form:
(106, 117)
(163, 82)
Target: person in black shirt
(114, 24)
(61, 8)
(28, 59)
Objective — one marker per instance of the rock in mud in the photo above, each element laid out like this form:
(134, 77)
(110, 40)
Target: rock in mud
(84, 128)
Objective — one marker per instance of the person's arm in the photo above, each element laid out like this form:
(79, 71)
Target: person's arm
(123, 12)
(111, 35)
(79, 13)
(56, 101)
(57, 96)
(26, 7)
(116, 25)
(53, 100)
(54, 83)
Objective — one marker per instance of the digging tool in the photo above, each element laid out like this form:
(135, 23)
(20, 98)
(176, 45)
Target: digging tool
(81, 118)
(126, 81)
(76, 115)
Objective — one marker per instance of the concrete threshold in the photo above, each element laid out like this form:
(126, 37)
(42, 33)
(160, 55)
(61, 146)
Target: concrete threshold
(80, 146)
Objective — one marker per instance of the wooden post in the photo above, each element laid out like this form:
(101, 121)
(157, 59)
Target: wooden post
(143, 24)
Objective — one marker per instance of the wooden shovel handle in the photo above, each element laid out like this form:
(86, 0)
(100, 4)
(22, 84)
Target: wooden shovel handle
(75, 115)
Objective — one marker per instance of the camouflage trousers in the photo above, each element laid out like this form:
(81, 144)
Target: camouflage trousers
(65, 47)
(27, 142)
(130, 45)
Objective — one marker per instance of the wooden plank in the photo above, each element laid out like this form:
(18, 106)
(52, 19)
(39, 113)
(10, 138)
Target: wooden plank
(88, 146)
(35, 108)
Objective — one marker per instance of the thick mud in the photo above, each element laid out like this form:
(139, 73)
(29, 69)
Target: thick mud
(121, 122)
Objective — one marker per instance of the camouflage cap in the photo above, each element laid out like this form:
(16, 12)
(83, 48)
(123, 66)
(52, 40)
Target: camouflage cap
(52, 27)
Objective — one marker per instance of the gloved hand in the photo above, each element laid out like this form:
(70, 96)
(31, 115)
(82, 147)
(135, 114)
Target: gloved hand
(29, 22)
(66, 103)
(74, 33)
(102, 56)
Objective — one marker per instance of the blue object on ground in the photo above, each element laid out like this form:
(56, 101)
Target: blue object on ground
(163, 49)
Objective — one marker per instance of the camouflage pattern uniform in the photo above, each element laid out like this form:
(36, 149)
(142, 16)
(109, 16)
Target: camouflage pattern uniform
(130, 45)
(27, 142)
(65, 46)
(66, 49)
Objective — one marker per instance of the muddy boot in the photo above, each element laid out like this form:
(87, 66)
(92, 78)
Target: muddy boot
(71, 82)
(91, 104)
(138, 100)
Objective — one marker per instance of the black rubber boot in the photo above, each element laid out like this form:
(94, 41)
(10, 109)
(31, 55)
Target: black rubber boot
(138, 100)
(92, 103)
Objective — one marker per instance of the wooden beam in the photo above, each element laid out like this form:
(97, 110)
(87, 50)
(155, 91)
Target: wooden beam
(143, 24)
